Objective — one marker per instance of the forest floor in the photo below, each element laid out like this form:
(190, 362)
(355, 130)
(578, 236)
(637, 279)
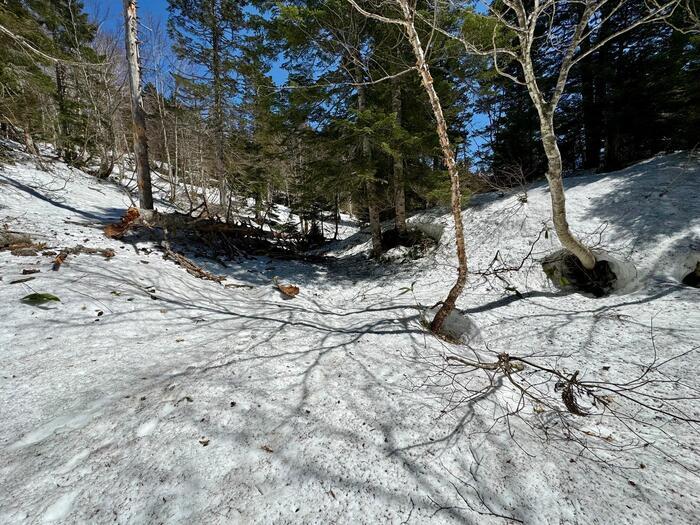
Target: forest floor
(147, 395)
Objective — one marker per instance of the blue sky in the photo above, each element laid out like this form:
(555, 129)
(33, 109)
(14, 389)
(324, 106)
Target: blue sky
(110, 14)
(113, 10)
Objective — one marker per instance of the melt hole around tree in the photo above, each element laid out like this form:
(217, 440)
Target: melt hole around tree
(459, 328)
(609, 274)
(693, 278)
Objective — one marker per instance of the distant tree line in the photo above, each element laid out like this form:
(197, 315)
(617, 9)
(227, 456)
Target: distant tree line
(351, 127)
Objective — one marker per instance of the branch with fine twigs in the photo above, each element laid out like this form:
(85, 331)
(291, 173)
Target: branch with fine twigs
(28, 46)
(546, 396)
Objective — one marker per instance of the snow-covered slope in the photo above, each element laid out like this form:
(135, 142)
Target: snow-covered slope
(147, 395)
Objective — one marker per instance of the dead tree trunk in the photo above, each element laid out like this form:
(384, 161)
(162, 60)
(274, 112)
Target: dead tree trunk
(138, 114)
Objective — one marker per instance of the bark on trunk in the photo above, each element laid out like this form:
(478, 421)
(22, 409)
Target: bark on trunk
(61, 144)
(106, 165)
(456, 201)
(556, 192)
(166, 146)
(138, 114)
(545, 113)
(218, 112)
(375, 224)
(336, 217)
(399, 184)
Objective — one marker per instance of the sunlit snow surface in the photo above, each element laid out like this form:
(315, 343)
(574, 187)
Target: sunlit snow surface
(331, 407)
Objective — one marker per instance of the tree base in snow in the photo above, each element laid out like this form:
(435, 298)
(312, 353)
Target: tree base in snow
(458, 328)
(566, 272)
(400, 246)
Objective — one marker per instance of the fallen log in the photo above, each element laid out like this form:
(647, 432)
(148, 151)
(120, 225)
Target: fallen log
(130, 218)
(190, 266)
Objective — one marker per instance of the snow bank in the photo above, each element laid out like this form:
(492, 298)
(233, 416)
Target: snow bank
(147, 395)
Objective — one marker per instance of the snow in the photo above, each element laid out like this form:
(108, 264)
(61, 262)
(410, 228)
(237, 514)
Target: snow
(334, 406)
(60, 509)
(458, 326)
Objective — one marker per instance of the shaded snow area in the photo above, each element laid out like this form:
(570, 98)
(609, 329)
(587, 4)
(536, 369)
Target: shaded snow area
(147, 395)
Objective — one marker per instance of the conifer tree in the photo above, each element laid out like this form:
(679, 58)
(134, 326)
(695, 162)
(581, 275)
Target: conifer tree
(208, 36)
(25, 55)
(68, 26)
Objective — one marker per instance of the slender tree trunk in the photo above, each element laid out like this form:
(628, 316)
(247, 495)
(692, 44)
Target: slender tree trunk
(556, 192)
(456, 195)
(166, 146)
(399, 184)
(29, 145)
(176, 154)
(611, 158)
(106, 165)
(375, 224)
(138, 114)
(218, 112)
(336, 217)
(31, 148)
(61, 143)
(545, 114)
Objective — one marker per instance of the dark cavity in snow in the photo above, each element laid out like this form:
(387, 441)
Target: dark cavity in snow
(566, 272)
(412, 244)
(393, 238)
(693, 278)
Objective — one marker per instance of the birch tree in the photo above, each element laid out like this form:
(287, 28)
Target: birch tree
(138, 114)
(405, 19)
(530, 25)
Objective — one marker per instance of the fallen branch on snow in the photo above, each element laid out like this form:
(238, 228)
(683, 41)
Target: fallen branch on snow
(187, 264)
(107, 253)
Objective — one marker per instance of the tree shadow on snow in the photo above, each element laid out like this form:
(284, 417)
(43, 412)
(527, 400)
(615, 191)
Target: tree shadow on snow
(651, 208)
(105, 214)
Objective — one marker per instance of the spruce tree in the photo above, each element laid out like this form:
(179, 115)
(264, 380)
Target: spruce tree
(208, 35)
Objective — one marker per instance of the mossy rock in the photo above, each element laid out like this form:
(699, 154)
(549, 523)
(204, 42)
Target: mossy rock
(566, 272)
